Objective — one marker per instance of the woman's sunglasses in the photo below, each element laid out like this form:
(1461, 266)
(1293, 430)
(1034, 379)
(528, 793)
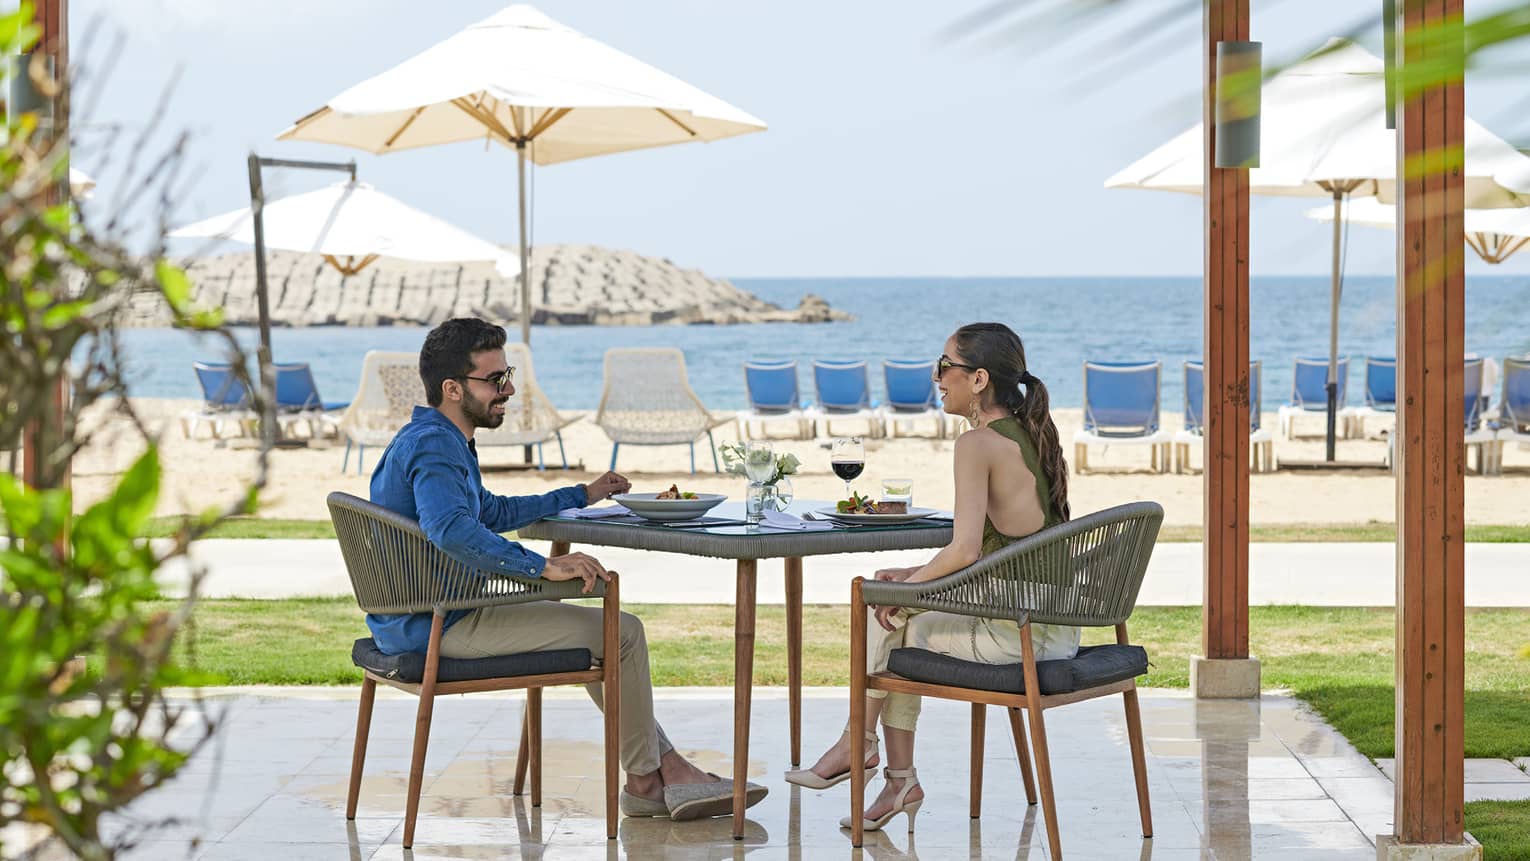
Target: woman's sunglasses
(500, 381)
(943, 363)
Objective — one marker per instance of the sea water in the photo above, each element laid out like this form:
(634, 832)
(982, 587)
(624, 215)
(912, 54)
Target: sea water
(1062, 320)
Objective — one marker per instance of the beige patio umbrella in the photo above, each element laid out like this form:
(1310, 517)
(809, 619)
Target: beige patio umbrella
(351, 224)
(1324, 134)
(525, 81)
(1495, 234)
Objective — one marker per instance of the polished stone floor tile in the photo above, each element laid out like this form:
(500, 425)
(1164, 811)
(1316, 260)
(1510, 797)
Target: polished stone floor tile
(1259, 779)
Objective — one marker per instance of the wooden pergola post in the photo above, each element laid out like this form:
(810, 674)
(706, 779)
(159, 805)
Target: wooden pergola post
(1225, 668)
(52, 16)
(1429, 454)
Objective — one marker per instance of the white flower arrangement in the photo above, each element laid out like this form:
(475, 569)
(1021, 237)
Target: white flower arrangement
(733, 454)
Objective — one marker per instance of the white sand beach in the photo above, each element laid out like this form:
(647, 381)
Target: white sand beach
(202, 472)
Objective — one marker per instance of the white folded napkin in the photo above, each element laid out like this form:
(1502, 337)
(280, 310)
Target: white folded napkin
(595, 512)
(792, 523)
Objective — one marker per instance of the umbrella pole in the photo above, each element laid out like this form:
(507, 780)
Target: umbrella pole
(263, 305)
(520, 185)
(520, 163)
(1333, 323)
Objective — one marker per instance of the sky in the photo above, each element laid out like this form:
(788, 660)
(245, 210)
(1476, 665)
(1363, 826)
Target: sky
(894, 149)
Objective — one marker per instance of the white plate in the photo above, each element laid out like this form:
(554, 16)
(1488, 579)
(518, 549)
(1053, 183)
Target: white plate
(645, 506)
(913, 514)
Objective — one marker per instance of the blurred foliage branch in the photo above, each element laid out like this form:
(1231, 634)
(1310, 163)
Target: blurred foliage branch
(85, 724)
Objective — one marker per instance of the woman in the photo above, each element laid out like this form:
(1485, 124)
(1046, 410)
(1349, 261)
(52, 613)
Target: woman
(1011, 481)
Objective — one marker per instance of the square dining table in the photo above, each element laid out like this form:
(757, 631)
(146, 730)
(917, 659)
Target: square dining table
(747, 545)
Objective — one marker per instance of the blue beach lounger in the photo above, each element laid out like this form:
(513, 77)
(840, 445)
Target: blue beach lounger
(844, 393)
(911, 395)
(1309, 392)
(298, 401)
(224, 399)
(774, 396)
(1121, 401)
(1261, 442)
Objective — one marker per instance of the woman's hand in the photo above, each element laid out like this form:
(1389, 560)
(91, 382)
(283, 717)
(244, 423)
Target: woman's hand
(890, 575)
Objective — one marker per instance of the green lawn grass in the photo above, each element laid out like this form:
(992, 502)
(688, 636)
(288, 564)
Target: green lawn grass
(1502, 827)
(1337, 659)
(256, 527)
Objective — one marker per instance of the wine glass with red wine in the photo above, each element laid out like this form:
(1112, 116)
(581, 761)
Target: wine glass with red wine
(847, 457)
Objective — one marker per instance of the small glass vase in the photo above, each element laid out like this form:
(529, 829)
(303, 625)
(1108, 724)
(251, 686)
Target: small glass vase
(759, 499)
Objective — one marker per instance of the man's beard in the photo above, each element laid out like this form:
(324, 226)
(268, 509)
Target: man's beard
(480, 412)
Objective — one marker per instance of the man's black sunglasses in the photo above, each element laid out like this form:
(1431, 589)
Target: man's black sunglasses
(500, 381)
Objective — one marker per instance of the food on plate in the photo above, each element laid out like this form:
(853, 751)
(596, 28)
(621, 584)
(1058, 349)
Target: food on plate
(674, 492)
(858, 504)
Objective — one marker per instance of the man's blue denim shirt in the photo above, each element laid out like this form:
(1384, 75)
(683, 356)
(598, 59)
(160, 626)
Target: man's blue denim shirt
(429, 473)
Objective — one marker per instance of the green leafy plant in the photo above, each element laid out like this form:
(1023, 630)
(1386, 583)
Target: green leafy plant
(85, 664)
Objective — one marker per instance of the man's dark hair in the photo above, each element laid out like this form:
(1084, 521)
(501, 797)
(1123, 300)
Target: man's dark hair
(449, 349)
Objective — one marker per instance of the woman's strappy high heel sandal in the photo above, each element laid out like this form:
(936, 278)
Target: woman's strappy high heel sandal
(806, 778)
(910, 778)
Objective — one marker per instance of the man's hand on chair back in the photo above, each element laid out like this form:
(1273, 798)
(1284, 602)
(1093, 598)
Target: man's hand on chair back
(576, 566)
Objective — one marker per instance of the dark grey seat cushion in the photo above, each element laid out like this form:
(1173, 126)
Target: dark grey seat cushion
(1091, 667)
(410, 667)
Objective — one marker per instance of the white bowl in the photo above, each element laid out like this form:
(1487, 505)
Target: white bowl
(644, 505)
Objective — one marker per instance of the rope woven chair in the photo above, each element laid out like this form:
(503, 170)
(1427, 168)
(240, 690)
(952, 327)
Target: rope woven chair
(395, 569)
(385, 400)
(649, 401)
(530, 418)
(1085, 572)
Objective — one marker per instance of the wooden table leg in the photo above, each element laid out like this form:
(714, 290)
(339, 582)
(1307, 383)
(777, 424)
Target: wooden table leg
(522, 758)
(794, 652)
(743, 685)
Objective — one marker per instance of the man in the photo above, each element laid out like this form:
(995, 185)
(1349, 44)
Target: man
(430, 473)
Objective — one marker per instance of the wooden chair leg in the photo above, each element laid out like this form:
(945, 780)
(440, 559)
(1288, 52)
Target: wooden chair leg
(522, 754)
(613, 700)
(857, 709)
(359, 752)
(1039, 740)
(1023, 754)
(1134, 735)
(422, 726)
(534, 736)
(1139, 760)
(979, 727)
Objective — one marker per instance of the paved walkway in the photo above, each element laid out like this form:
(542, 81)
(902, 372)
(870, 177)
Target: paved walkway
(1328, 574)
(1227, 779)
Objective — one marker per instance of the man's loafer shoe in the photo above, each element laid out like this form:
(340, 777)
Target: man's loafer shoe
(637, 805)
(702, 800)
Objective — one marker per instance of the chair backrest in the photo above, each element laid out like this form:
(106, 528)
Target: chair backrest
(1471, 390)
(1309, 382)
(530, 416)
(1121, 398)
(221, 388)
(648, 398)
(841, 384)
(1087, 571)
(390, 389)
(910, 384)
(1381, 382)
(1515, 408)
(772, 385)
(1195, 395)
(395, 569)
(295, 388)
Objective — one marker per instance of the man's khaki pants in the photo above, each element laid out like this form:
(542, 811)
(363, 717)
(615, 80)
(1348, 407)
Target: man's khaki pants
(543, 625)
